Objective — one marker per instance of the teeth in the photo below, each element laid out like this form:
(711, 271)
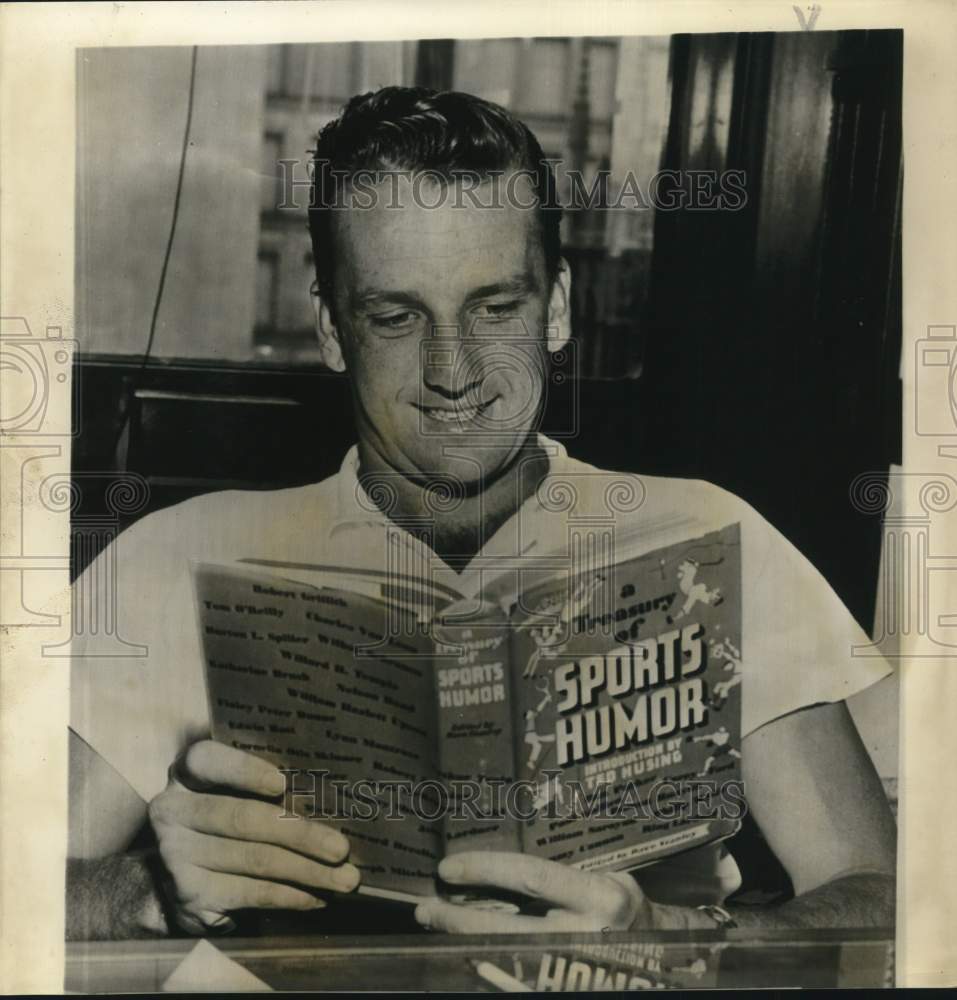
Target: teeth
(453, 416)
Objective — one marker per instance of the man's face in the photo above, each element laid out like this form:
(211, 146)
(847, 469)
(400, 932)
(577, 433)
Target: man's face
(441, 317)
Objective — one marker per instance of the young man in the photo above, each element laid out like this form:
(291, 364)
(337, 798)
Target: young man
(441, 291)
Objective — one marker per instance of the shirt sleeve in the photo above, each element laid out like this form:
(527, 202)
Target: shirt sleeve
(800, 644)
(137, 693)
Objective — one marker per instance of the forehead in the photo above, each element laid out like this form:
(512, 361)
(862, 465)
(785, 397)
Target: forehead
(425, 237)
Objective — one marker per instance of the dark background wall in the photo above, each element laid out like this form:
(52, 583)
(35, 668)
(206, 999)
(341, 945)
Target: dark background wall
(773, 340)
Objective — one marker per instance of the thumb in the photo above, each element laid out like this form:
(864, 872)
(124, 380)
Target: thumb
(203, 922)
(216, 921)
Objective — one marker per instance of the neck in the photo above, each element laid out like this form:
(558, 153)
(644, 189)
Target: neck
(458, 534)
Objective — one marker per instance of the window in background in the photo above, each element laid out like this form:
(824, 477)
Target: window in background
(267, 290)
(145, 120)
(544, 74)
(277, 70)
(271, 186)
(308, 84)
(237, 288)
(597, 105)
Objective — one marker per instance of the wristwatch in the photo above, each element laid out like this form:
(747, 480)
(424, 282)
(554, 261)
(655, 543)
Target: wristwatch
(720, 916)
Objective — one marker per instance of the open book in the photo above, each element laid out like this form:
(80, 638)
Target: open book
(589, 716)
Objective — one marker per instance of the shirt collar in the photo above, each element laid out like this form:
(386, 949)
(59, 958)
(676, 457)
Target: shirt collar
(354, 506)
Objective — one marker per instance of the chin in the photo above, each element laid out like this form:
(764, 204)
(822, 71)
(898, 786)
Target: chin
(467, 462)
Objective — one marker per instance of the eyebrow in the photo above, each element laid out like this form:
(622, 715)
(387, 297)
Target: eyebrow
(375, 296)
(519, 284)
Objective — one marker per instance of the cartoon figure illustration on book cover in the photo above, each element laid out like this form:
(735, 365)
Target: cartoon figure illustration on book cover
(720, 741)
(724, 649)
(549, 788)
(536, 741)
(550, 638)
(693, 589)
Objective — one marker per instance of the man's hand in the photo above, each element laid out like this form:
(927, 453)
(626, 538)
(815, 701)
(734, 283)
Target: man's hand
(578, 901)
(224, 852)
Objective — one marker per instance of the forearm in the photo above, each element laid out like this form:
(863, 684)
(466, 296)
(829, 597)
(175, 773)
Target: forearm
(113, 898)
(859, 900)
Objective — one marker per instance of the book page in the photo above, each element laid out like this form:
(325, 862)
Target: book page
(321, 680)
(629, 695)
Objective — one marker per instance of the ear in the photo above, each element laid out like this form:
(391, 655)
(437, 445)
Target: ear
(330, 350)
(559, 329)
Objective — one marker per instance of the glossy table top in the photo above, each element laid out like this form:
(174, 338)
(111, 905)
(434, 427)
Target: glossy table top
(555, 962)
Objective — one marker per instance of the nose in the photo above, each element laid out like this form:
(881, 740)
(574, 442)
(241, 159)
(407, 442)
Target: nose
(451, 370)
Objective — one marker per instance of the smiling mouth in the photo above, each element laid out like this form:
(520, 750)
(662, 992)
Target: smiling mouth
(455, 415)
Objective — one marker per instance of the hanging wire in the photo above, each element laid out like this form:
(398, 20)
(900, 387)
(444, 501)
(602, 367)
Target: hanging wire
(176, 200)
(169, 246)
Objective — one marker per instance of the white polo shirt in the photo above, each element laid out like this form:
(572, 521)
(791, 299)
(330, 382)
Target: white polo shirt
(139, 712)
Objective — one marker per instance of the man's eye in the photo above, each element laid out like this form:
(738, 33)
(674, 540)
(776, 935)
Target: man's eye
(499, 310)
(394, 321)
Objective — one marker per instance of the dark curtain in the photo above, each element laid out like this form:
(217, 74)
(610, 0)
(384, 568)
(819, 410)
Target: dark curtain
(773, 333)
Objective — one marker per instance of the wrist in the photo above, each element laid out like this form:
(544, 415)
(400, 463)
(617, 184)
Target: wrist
(668, 918)
(721, 918)
(679, 918)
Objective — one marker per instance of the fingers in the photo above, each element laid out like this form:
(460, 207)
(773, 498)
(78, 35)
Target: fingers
(246, 819)
(226, 852)
(208, 764)
(438, 915)
(254, 860)
(601, 902)
(204, 894)
(198, 921)
(566, 888)
(216, 921)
